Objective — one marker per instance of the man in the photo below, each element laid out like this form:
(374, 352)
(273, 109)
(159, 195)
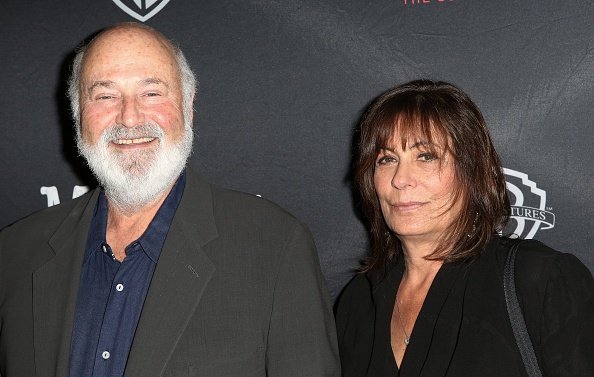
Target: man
(156, 273)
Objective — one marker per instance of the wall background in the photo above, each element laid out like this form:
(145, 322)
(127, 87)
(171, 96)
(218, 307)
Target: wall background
(283, 83)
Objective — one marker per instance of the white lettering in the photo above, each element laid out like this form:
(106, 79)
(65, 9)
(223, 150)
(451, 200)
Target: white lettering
(79, 190)
(53, 197)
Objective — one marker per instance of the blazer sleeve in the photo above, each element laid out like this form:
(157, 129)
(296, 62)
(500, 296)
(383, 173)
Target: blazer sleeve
(558, 294)
(302, 333)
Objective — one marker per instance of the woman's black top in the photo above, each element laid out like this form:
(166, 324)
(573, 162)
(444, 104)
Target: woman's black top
(463, 328)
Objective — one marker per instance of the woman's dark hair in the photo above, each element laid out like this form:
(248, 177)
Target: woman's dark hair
(442, 113)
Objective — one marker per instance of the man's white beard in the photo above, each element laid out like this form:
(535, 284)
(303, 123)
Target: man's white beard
(134, 178)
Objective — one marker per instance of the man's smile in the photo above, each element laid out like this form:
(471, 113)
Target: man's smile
(140, 140)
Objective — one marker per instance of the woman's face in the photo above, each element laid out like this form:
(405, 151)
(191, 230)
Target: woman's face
(415, 189)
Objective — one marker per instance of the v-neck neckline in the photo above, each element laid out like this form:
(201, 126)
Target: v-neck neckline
(434, 333)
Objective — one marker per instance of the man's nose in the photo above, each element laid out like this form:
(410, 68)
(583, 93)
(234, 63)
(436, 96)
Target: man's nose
(130, 113)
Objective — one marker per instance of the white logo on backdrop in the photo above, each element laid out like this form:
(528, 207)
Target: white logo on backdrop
(529, 208)
(142, 10)
(53, 197)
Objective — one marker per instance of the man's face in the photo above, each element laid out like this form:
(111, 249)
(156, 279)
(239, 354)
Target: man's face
(130, 78)
(132, 131)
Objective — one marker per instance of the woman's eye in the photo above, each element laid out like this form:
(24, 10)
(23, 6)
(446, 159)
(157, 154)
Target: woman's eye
(385, 160)
(427, 156)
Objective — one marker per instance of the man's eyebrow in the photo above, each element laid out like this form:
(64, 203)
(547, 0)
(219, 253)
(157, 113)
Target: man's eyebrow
(103, 84)
(152, 80)
(108, 84)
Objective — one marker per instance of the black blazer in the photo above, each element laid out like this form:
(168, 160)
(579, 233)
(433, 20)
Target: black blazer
(463, 328)
(237, 291)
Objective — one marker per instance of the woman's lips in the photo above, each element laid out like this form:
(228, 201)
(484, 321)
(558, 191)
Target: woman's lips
(408, 206)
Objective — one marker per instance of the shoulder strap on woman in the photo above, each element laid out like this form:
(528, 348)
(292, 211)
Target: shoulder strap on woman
(515, 314)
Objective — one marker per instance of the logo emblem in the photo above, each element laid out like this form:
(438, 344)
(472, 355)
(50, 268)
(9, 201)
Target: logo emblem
(142, 10)
(529, 209)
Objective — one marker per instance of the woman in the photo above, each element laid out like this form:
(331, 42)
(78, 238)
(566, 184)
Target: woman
(430, 299)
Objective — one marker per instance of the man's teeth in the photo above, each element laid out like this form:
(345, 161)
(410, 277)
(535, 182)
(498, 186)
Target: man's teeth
(134, 141)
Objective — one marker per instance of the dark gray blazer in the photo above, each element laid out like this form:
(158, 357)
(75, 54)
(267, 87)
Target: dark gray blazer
(237, 292)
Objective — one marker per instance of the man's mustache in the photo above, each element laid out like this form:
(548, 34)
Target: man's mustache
(118, 131)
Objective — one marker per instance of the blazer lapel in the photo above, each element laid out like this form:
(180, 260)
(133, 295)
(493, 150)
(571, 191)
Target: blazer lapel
(55, 286)
(183, 272)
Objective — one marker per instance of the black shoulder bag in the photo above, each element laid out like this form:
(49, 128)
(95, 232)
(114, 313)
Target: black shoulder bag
(515, 315)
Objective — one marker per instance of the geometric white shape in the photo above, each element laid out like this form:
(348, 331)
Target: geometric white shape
(138, 16)
(79, 190)
(535, 190)
(52, 195)
(521, 213)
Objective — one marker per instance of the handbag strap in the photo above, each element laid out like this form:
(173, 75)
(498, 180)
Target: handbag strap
(516, 317)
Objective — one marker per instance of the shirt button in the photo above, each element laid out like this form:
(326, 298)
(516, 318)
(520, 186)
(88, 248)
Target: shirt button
(120, 287)
(104, 249)
(105, 355)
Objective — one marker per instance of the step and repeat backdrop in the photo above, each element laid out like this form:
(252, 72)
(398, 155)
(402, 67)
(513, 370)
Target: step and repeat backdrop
(282, 84)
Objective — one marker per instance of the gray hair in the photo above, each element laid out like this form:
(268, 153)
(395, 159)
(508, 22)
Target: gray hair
(187, 78)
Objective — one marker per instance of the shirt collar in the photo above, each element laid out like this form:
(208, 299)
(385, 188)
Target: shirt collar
(153, 238)
(98, 226)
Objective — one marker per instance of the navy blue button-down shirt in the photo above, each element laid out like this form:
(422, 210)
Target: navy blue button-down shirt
(111, 294)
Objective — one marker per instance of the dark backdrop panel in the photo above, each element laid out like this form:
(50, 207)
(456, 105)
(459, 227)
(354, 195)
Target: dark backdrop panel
(282, 84)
